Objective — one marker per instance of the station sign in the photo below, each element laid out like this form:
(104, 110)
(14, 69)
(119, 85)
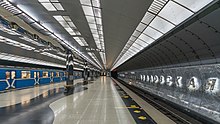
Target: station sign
(210, 85)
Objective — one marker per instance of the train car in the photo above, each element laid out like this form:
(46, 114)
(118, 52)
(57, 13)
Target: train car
(18, 78)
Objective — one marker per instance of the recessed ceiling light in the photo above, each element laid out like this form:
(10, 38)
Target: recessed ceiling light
(49, 6)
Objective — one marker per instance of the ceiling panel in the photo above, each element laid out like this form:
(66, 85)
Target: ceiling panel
(120, 19)
(196, 43)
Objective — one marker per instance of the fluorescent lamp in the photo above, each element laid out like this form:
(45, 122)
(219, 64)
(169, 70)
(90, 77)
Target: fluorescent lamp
(86, 2)
(179, 15)
(161, 25)
(68, 29)
(152, 33)
(99, 21)
(49, 6)
(194, 5)
(90, 19)
(96, 3)
(136, 33)
(67, 18)
(71, 25)
(58, 18)
(147, 18)
(141, 27)
(88, 10)
(58, 6)
(97, 12)
(43, 1)
(93, 26)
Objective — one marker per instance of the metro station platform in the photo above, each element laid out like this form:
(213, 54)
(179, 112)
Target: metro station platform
(102, 101)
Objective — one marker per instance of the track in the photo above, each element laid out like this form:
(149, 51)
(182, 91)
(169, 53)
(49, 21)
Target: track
(164, 107)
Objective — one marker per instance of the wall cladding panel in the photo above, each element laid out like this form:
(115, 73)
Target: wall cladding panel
(196, 88)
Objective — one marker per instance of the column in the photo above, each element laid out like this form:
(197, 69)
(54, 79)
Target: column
(92, 74)
(69, 68)
(85, 73)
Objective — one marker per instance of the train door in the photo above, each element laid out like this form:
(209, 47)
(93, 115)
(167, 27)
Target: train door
(61, 76)
(36, 77)
(10, 78)
(51, 77)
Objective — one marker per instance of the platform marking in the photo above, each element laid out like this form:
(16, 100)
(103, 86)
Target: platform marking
(137, 111)
(125, 97)
(134, 106)
(142, 117)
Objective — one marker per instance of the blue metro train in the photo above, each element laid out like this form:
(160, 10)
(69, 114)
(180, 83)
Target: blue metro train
(18, 78)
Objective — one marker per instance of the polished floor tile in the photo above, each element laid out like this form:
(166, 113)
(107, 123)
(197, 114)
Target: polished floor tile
(99, 104)
(24, 95)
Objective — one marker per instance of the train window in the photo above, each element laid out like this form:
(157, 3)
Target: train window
(35, 74)
(7, 75)
(57, 74)
(45, 74)
(38, 74)
(51, 74)
(12, 74)
(25, 74)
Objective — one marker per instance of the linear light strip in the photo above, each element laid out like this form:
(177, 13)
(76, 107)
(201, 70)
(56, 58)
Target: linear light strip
(92, 11)
(16, 58)
(70, 27)
(31, 41)
(94, 58)
(15, 43)
(161, 17)
(53, 56)
(51, 5)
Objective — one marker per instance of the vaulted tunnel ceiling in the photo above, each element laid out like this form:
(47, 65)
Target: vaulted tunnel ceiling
(195, 44)
(123, 28)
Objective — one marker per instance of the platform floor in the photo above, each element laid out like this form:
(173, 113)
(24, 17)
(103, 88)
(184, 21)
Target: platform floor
(95, 103)
(24, 95)
(101, 101)
(99, 104)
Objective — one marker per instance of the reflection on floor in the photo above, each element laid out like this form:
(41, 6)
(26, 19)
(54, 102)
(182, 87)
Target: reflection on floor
(35, 110)
(24, 95)
(99, 104)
